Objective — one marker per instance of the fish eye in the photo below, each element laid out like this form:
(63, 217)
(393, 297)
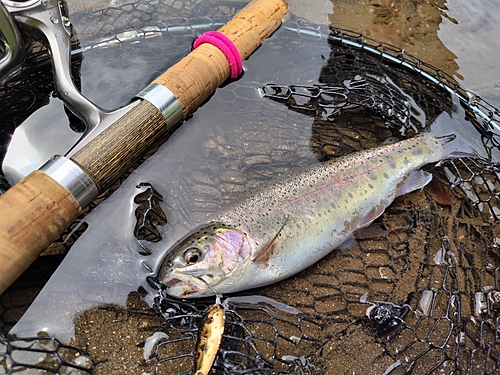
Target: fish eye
(192, 256)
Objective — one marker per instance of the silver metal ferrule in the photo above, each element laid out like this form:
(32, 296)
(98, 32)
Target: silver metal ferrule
(72, 178)
(166, 102)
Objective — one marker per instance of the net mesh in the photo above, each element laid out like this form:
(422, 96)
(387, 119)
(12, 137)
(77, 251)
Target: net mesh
(422, 296)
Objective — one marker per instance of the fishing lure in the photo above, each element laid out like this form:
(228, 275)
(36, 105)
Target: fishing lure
(209, 337)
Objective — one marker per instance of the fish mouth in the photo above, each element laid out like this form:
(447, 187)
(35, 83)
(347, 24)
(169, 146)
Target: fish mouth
(186, 287)
(172, 282)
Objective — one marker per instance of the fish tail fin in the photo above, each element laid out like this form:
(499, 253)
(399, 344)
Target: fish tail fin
(457, 148)
(456, 135)
(446, 138)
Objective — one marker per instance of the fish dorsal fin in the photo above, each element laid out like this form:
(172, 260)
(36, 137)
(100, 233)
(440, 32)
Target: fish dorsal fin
(263, 256)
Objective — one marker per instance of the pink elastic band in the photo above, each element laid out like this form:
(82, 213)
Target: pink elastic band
(227, 47)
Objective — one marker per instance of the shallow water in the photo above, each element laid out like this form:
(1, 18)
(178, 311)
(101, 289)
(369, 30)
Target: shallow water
(239, 139)
(455, 36)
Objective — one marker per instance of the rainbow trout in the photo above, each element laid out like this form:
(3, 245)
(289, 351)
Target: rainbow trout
(292, 222)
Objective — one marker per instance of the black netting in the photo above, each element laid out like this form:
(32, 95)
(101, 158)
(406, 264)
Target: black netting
(421, 296)
(44, 355)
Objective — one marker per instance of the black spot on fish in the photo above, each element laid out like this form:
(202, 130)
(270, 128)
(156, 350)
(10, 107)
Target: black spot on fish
(349, 195)
(370, 186)
(386, 175)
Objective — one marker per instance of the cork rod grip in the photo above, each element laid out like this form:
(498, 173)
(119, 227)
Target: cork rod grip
(34, 214)
(193, 79)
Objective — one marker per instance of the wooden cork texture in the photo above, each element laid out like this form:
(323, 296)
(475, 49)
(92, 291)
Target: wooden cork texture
(112, 152)
(34, 214)
(193, 79)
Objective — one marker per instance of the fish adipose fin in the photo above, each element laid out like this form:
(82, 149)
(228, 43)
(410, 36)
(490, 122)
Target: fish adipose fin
(263, 256)
(416, 180)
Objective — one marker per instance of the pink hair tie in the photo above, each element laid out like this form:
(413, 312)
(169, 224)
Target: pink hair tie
(227, 47)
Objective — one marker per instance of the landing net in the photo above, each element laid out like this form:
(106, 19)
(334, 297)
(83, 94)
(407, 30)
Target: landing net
(420, 297)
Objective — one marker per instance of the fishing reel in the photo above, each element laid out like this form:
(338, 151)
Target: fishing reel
(34, 141)
(46, 23)
(48, 17)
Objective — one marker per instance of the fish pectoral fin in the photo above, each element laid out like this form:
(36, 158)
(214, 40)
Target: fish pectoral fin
(263, 256)
(415, 180)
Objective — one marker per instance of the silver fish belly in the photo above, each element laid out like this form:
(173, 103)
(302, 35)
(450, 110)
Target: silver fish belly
(292, 222)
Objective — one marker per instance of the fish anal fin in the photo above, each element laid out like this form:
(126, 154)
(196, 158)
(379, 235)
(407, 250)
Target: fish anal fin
(366, 220)
(415, 180)
(350, 241)
(263, 256)
(366, 229)
(369, 232)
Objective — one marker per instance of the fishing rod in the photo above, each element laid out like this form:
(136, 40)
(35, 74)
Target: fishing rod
(37, 210)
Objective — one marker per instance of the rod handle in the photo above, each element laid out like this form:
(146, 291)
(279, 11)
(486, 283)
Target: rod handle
(35, 212)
